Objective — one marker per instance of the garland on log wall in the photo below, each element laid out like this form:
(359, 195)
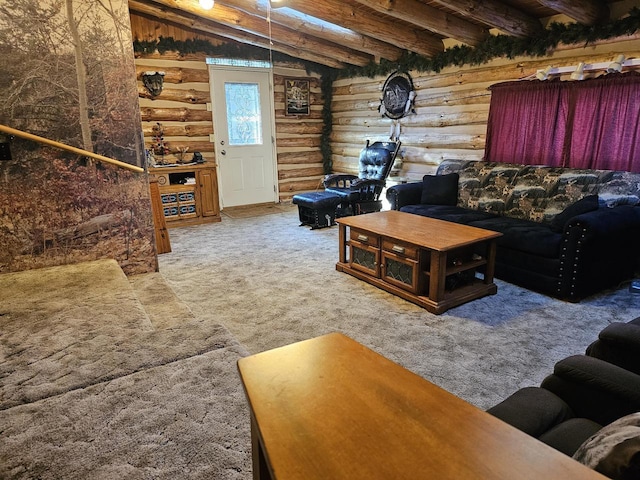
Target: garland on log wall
(503, 46)
(494, 47)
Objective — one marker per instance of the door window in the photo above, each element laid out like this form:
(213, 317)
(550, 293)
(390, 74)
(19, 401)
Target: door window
(244, 118)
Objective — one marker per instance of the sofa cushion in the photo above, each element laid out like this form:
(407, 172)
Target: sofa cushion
(532, 410)
(568, 436)
(523, 235)
(584, 205)
(486, 186)
(440, 189)
(450, 213)
(614, 450)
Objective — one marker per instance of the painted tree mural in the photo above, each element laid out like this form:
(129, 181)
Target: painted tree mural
(68, 75)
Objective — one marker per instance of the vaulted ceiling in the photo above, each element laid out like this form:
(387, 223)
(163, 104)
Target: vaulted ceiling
(339, 33)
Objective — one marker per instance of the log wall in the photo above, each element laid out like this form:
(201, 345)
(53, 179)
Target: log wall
(181, 108)
(452, 108)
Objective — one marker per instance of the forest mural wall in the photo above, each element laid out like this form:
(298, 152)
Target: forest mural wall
(68, 75)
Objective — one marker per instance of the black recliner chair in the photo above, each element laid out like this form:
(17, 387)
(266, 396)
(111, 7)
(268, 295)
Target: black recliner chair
(583, 394)
(361, 193)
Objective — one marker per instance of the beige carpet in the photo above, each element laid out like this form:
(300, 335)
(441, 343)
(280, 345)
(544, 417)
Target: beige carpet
(251, 211)
(272, 282)
(116, 378)
(106, 377)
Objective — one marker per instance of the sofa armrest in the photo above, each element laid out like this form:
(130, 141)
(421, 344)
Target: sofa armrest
(404, 194)
(619, 343)
(595, 389)
(599, 250)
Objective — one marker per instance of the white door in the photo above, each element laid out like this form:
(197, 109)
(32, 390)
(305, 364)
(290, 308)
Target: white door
(243, 125)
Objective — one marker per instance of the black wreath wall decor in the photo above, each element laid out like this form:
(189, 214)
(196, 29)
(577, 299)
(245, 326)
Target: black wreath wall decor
(397, 96)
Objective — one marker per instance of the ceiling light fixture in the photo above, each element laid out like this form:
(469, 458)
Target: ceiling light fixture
(278, 3)
(206, 4)
(543, 74)
(579, 72)
(616, 65)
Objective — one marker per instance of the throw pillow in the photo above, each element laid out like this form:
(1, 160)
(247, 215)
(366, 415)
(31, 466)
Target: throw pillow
(440, 189)
(584, 205)
(611, 200)
(614, 450)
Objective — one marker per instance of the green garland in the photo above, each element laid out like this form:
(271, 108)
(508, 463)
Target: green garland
(494, 47)
(502, 46)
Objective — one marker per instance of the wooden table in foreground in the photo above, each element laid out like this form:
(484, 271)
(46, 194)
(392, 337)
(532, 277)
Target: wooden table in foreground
(412, 256)
(330, 409)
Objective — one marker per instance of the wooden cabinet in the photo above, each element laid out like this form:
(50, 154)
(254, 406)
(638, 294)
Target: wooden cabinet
(188, 193)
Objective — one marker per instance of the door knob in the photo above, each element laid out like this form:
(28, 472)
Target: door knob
(223, 152)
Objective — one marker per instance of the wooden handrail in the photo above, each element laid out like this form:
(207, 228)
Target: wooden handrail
(79, 151)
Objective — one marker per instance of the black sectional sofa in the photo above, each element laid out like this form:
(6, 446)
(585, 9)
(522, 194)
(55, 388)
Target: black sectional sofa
(589, 407)
(567, 233)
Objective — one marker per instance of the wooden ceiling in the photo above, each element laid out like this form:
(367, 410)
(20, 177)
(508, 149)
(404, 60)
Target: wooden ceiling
(339, 33)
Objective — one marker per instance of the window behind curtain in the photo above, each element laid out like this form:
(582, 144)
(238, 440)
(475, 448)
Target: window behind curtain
(587, 124)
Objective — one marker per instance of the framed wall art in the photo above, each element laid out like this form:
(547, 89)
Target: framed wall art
(296, 92)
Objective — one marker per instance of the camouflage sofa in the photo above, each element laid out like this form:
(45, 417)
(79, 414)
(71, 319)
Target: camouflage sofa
(551, 243)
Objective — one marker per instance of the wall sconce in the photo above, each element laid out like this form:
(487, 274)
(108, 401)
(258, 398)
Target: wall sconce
(543, 74)
(206, 4)
(153, 81)
(578, 74)
(616, 65)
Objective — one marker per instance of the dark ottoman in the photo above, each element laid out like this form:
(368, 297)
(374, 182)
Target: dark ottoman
(317, 209)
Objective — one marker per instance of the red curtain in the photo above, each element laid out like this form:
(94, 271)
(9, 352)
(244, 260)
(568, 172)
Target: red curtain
(592, 123)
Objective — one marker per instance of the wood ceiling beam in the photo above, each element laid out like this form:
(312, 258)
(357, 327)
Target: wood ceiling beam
(238, 20)
(346, 37)
(194, 22)
(426, 16)
(505, 18)
(347, 15)
(588, 12)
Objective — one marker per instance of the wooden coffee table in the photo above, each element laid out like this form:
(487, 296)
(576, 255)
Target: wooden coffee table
(330, 408)
(432, 263)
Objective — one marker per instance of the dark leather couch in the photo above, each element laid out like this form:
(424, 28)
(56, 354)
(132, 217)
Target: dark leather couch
(544, 247)
(583, 395)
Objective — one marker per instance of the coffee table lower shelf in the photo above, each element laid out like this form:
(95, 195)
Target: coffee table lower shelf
(451, 299)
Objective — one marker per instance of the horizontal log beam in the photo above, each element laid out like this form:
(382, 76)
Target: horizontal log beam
(298, 142)
(299, 128)
(198, 24)
(149, 114)
(175, 146)
(302, 23)
(401, 34)
(192, 97)
(426, 16)
(292, 187)
(186, 130)
(299, 158)
(588, 12)
(176, 74)
(255, 25)
(300, 172)
(505, 18)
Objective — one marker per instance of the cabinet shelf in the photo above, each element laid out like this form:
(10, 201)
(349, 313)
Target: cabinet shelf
(189, 194)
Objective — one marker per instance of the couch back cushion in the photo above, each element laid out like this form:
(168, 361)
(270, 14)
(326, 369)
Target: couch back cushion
(533, 192)
(484, 186)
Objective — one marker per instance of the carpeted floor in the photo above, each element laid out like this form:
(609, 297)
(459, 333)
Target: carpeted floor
(106, 378)
(113, 378)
